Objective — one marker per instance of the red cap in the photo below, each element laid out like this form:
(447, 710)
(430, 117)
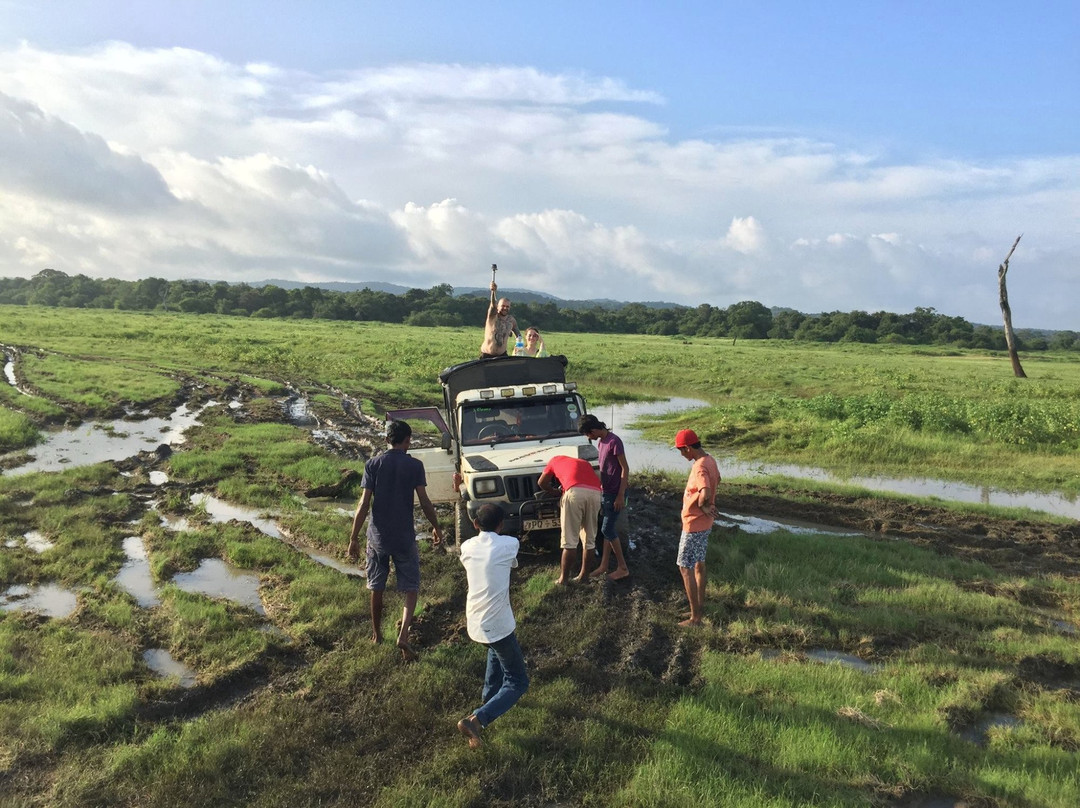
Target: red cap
(686, 437)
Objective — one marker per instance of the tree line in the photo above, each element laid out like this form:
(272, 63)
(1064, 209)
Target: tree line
(438, 306)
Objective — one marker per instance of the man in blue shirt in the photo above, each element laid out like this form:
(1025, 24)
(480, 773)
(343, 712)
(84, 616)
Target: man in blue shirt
(389, 482)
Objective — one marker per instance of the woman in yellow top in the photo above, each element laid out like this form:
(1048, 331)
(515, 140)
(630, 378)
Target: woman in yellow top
(534, 345)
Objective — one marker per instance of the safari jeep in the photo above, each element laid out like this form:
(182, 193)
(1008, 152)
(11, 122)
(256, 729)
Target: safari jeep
(504, 420)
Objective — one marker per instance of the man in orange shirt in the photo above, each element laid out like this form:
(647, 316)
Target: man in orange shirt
(579, 509)
(698, 515)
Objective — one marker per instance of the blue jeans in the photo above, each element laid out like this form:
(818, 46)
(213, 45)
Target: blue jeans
(506, 680)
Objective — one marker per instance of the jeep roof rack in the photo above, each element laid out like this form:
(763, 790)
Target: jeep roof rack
(502, 371)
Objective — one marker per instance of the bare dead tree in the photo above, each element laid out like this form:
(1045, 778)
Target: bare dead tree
(1006, 313)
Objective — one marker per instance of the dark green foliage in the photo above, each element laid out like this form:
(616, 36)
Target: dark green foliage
(438, 306)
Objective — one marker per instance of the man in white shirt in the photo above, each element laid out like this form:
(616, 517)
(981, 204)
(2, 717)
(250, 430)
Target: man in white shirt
(488, 559)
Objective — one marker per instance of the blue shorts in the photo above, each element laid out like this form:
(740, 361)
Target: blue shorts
(406, 568)
(613, 522)
(693, 548)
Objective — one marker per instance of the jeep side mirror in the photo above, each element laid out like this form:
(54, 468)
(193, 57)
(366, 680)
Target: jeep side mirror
(446, 441)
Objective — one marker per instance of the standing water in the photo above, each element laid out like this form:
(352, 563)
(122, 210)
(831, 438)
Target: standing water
(644, 454)
(99, 441)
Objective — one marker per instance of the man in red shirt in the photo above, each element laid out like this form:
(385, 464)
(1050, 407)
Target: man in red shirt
(579, 509)
(698, 515)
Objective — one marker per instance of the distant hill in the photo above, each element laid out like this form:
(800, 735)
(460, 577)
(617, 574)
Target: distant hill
(516, 295)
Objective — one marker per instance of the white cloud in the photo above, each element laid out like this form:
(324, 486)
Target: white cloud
(745, 235)
(122, 161)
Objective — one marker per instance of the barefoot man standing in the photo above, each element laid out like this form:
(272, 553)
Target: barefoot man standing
(389, 482)
(698, 515)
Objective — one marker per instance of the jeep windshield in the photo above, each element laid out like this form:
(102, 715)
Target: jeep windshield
(538, 418)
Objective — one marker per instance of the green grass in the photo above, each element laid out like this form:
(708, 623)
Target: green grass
(311, 713)
(851, 409)
(16, 431)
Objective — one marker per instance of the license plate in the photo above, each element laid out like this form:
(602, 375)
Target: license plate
(540, 524)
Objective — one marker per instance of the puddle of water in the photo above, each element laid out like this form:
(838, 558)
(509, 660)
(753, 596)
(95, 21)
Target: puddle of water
(162, 663)
(757, 525)
(838, 657)
(333, 563)
(134, 577)
(221, 511)
(824, 656)
(978, 732)
(158, 478)
(9, 371)
(178, 524)
(645, 454)
(36, 541)
(216, 579)
(298, 412)
(100, 441)
(1064, 626)
(47, 599)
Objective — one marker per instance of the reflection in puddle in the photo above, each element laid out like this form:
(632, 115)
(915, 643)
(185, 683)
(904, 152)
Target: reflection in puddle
(333, 563)
(838, 657)
(1064, 626)
(9, 371)
(298, 412)
(162, 663)
(37, 542)
(645, 454)
(97, 442)
(825, 656)
(178, 524)
(134, 577)
(221, 511)
(217, 579)
(979, 732)
(757, 525)
(47, 599)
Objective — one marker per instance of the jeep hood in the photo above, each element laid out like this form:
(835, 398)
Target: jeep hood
(529, 457)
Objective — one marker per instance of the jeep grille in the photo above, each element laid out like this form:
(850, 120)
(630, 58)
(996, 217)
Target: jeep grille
(522, 487)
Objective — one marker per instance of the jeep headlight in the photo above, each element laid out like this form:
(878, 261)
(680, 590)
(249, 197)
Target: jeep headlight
(486, 487)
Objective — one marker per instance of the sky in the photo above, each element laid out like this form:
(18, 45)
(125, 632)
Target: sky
(827, 156)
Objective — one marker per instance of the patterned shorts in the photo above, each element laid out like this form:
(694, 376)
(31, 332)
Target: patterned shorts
(692, 548)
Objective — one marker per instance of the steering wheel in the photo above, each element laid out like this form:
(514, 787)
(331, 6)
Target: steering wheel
(493, 431)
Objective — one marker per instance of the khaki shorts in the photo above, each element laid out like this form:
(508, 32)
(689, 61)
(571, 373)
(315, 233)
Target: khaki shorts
(579, 512)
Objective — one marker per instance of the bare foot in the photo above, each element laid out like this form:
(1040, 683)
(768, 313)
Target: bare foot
(561, 582)
(470, 728)
(580, 579)
(408, 653)
(596, 573)
(376, 637)
(619, 575)
(690, 622)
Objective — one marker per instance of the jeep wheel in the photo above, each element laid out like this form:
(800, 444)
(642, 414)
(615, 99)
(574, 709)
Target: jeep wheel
(463, 526)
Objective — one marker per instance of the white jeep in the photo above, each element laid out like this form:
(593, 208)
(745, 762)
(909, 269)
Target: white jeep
(503, 420)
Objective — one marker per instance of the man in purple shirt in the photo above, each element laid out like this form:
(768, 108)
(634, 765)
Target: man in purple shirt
(389, 482)
(614, 478)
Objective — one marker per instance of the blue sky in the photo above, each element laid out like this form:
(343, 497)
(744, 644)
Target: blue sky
(823, 156)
